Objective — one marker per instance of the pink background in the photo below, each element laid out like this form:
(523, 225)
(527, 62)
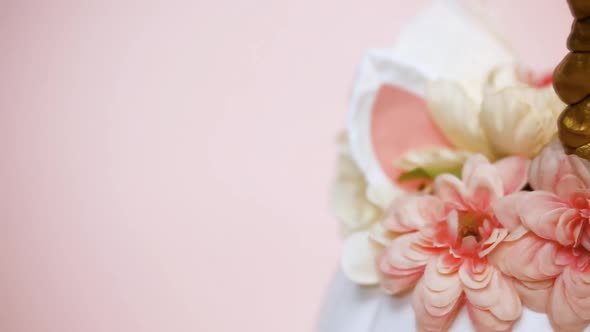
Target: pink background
(165, 164)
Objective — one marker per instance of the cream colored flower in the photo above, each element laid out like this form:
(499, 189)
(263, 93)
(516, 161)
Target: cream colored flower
(349, 194)
(507, 117)
(520, 120)
(359, 207)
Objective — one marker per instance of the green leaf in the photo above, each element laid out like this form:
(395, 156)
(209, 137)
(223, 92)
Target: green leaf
(426, 174)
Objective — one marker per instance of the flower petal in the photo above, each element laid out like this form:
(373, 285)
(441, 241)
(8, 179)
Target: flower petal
(569, 185)
(484, 184)
(349, 201)
(514, 173)
(457, 115)
(498, 235)
(541, 214)
(534, 295)
(565, 311)
(381, 195)
(358, 259)
(580, 167)
(546, 167)
(403, 262)
(409, 251)
(486, 321)
(498, 297)
(413, 212)
(473, 278)
(536, 260)
(559, 173)
(519, 120)
(380, 235)
(506, 211)
(436, 299)
(450, 189)
(577, 288)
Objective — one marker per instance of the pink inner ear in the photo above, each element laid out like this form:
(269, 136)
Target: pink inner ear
(400, 122)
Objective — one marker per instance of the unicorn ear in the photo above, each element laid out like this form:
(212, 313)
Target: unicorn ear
(388, 113)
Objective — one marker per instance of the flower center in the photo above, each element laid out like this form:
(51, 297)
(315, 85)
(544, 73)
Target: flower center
(463, 232)
(469, 225)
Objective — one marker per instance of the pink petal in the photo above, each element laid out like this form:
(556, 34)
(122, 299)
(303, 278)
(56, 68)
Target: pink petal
(499, 297)
(413, 212)
(448, 263)
(409, 251)
(541, 212)
(564, 314)
(581, 168)
(569, 226)
(514, 173)
(506, 211)
(484, 185)
(559, 173)
(535, 261)
(498, 235)
(436, 299)
(577, 289)
(471, 165)
(404, 261)
(394, 281)
(585, 239)
(450, 190)
(568, 185)
(485, 321)
(544, 170)
(475, 278)
(534, 295)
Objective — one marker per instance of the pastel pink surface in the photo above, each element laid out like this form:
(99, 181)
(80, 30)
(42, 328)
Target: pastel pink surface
(165, 164)
(400, 122)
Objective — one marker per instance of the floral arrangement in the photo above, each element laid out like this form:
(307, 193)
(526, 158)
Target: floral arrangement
(494, 216)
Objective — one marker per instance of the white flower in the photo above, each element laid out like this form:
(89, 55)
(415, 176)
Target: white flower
(520, 120)
(359, 208)
(508, 118)
(349, 194)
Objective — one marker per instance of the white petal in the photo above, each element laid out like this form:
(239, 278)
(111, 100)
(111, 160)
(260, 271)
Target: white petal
(502, 77)
(380, 236)
(382, 195)
(349, 194)
(520, 120)
(433, 158)
(457, 115)
(358, 259)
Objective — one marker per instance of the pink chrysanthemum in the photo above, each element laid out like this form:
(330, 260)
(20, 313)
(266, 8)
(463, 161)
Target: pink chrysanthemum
(445, 242)
(552, 262)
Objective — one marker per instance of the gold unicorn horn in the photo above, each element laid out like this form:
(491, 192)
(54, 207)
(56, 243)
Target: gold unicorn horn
(571, 81)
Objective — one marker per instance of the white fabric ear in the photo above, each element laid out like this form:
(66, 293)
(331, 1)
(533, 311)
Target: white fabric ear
(446, 41)
(376, 69)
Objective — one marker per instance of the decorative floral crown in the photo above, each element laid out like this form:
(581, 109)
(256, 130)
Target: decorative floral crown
(452, 183)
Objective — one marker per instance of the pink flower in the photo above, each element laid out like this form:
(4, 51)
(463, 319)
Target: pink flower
(444, 247)
(552, 262)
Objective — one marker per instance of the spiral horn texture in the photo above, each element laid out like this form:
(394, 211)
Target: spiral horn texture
(571, 81)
